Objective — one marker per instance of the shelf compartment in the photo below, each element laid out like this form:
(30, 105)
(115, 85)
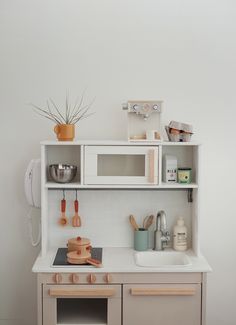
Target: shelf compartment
(187, 157)
(81, 311)
(63, 154)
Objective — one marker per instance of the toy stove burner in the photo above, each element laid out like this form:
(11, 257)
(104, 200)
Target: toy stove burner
(61, 258)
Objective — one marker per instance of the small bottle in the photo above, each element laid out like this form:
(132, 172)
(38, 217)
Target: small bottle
(180, 235)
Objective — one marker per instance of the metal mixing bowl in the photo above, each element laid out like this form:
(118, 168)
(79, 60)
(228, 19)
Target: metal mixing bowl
(62, 173)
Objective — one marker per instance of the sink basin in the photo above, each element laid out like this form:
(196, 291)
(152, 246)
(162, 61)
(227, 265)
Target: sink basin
(161, 259)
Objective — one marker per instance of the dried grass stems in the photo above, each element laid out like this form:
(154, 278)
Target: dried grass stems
(72, 114)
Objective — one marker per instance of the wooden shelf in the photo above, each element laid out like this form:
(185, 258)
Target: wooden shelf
(178, 185)
(118, 143)
(71, 185)
(163, 186)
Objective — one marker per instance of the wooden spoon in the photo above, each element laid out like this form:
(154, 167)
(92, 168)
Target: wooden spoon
(148, 221)
(76, 220)
(63, 221)
(133, 222)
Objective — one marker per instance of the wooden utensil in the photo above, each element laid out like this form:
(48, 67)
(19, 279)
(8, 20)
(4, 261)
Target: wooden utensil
(76, 220)
(148, 221)
(133, 222)
(63, 221)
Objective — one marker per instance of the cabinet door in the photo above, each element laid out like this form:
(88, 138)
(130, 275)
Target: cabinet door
(121, 165)
(81, 304)
(165, 304)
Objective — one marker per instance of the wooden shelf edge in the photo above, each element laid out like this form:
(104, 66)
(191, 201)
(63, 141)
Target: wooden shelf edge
(56, 186)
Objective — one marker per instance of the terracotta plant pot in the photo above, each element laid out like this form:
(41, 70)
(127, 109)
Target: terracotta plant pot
(65, 132)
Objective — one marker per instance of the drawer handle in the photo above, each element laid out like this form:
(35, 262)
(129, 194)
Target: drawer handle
(82, 292)
(151, 166)
(163, 292)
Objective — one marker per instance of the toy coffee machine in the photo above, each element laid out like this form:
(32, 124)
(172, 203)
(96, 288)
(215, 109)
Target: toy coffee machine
(144, 120)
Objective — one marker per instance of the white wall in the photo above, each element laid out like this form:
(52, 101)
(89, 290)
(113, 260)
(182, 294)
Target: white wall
(180, 51)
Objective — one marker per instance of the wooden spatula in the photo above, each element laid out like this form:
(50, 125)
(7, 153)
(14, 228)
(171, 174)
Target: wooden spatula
(76, 220)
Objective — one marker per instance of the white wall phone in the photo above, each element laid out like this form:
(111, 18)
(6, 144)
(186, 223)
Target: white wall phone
(33, 193)
(32, 183)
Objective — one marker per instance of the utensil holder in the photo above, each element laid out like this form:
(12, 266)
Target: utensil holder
(141, 239)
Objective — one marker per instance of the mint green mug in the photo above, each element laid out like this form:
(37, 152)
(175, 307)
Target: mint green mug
(141, 239)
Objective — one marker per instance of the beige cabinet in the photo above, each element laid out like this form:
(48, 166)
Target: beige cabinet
(125, 298)
(81, 304)
(162, 304)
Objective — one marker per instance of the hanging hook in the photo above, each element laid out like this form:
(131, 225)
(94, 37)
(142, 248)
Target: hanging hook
(63, 194)
(76, 196)
(190, 195)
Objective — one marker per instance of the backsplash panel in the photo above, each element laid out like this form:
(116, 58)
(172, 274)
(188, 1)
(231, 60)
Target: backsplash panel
(105, 213)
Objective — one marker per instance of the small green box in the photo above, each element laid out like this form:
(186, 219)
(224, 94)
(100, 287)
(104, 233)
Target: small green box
(184, 175)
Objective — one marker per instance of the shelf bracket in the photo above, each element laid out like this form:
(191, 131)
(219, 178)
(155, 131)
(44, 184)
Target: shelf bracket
(190, 195)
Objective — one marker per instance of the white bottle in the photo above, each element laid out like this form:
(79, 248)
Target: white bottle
(180, 236)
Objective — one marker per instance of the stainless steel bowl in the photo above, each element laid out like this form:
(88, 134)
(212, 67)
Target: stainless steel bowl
(62, 173)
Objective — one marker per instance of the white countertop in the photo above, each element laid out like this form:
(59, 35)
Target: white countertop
(119, 260)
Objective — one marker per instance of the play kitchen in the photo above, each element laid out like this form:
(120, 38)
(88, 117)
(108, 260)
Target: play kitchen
(99, 268)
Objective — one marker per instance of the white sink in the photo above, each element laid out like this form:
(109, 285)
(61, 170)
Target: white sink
(161, 259)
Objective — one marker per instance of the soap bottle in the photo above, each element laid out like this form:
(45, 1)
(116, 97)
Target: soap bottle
(180, 236)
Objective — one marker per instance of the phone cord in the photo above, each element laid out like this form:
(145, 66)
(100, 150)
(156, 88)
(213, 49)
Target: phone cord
(37, 241)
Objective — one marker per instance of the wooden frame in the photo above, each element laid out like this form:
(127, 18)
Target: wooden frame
(51, 293)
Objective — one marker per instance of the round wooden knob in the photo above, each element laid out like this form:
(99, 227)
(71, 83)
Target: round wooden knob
(74, 278)
(57, 278)
(91, 278)
(108, 278)
(89, 248)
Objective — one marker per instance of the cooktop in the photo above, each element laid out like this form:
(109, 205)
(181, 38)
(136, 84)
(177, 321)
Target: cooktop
(61, 259)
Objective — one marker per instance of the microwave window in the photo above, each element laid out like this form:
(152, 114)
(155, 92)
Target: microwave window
(120, 165)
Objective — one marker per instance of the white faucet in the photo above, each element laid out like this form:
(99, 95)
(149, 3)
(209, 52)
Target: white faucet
(161, 235)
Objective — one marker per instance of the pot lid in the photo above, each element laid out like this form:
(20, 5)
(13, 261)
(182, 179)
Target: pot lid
(79, 241)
